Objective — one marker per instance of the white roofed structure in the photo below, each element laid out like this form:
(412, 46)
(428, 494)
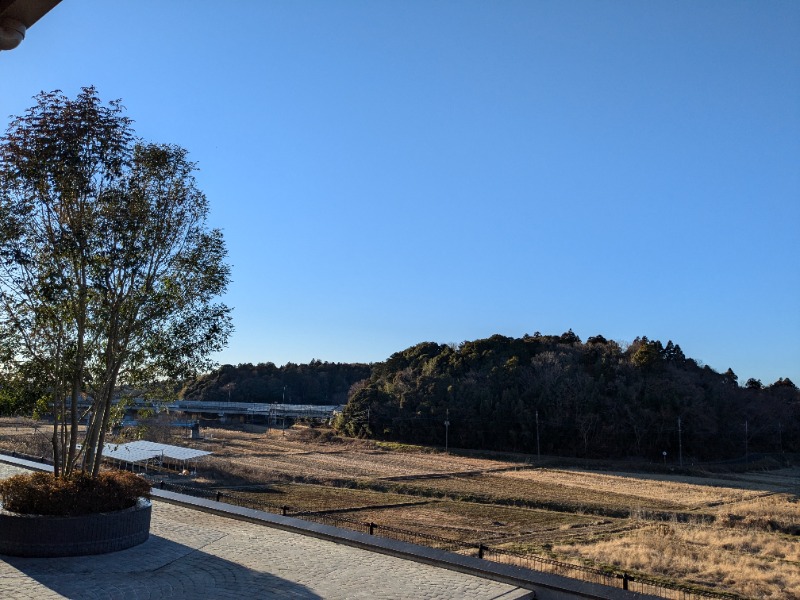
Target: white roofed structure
(143, 452)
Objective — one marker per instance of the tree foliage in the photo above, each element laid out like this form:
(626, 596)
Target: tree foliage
(317, 382)
(595, 399)
(109, 275)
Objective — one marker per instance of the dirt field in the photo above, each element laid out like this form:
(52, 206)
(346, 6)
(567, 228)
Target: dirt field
(736, 533)
(292, 453)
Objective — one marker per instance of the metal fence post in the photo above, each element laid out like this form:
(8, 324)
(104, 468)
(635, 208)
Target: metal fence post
(372, 528)
(481, 548)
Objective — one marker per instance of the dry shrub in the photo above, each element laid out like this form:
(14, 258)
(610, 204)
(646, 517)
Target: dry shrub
(30, 443)
(235, 472)
(309, 434)
(776, 512)
(79, 494)
(756, 564)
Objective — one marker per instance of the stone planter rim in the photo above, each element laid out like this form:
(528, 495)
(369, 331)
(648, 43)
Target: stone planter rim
(55, 535)
(140, 504)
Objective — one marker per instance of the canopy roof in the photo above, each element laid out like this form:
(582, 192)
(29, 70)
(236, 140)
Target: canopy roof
(142, 451)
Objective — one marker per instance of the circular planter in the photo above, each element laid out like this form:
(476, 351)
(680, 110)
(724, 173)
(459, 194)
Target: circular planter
(48, 536)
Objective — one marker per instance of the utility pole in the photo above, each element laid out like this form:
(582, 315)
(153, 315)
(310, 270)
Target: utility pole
(680, 444)
(746, 451)
(447, 431)
(538, 447)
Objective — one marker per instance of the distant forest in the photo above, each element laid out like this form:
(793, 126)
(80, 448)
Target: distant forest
(555, 395)
(314, 383)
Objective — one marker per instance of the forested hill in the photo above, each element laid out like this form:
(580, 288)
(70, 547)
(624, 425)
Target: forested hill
(593, 399)
(314, 383)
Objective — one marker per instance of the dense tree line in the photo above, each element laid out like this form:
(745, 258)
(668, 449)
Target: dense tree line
(551, 394)
(314, 383)
(559, 395)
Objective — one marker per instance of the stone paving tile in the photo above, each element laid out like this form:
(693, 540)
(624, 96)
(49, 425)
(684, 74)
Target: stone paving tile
(196, 555)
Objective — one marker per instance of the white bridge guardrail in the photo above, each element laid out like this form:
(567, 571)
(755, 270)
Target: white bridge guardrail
(314, 411)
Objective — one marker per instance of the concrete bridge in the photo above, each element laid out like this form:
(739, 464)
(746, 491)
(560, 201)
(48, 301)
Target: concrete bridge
(262, 412)
(272, 413)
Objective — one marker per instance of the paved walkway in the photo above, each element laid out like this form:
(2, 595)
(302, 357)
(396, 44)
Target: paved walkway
(191, 554)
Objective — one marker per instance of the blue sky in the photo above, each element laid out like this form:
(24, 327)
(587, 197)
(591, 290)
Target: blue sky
(387, 173)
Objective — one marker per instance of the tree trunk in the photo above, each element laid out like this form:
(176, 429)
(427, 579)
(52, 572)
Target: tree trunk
(79, 367)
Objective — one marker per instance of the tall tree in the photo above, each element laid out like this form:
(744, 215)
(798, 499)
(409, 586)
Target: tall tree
(754, 384)
(108, 272)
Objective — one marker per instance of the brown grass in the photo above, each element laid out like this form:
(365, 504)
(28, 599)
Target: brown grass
(26, 436)
(752, 563)
(474, 523)
(568, 514)
(689, 494)
(291, 454)
(306, 497)
(528, 491)
(773, 512)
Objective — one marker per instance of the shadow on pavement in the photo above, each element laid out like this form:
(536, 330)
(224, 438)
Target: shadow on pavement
(159, 568)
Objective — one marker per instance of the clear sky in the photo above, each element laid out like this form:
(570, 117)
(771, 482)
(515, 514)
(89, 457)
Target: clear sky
(392, 172)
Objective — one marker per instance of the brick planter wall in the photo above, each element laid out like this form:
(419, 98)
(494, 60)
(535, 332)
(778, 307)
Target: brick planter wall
(47, 536)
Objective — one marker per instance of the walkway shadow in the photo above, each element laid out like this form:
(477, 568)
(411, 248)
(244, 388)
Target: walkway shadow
(158, 568)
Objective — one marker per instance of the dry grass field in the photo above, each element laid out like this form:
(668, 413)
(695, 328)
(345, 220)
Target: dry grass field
(297, 453)
(756, 564)
(727, 532)
(677, 493)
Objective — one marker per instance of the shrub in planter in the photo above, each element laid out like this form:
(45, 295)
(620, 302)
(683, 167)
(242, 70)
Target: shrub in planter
(46, 516)
(78, 494)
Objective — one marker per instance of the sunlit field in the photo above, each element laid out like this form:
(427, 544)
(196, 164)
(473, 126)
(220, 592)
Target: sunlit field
(728, 532)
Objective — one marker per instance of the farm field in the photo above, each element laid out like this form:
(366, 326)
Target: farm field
(465, 522)
(315, 498)
(723, 532)
(477, 523)
(351, 459)
(570, 513)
